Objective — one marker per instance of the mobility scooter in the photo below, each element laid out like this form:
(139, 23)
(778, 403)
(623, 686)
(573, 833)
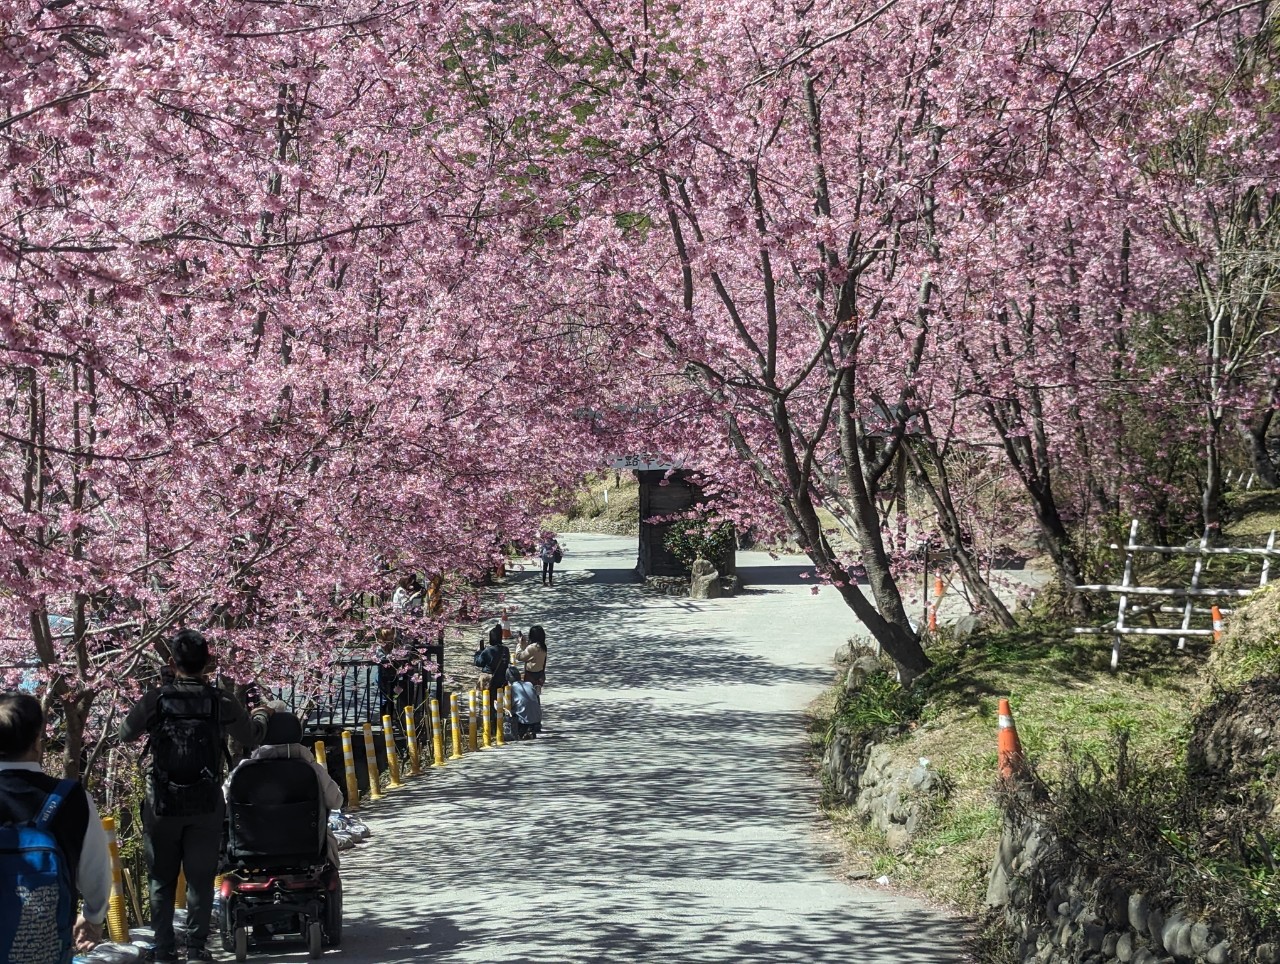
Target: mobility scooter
(278, 877)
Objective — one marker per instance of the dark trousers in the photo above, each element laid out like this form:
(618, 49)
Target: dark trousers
(547, 566)
(181, 843)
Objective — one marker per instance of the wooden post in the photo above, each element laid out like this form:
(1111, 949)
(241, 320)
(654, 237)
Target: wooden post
(1195, 584)
(1124, 596)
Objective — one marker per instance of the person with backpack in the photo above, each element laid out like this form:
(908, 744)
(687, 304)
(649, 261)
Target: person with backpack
(550, 553)
(494, 658)
(187, 722)
(51, 845)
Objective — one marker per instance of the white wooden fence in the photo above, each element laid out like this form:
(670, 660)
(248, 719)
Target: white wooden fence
(1188, 610)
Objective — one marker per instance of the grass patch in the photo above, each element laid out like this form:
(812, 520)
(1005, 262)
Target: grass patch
(1141, 823)
(1067, 705)
(880, 702)
(1251, 646)
(588, 510)
(1250, 517)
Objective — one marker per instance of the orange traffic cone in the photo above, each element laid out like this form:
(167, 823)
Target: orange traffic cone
(1011, 760)
(506, 625)
(937, 601)
(1217, 623)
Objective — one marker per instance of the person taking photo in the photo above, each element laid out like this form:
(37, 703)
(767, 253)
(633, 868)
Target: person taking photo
(187, 722)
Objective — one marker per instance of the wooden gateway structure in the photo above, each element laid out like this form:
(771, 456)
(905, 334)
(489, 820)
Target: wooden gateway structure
(665, 490)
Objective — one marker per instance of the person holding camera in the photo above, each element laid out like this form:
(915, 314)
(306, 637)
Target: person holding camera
(532, 654)
(187, 722)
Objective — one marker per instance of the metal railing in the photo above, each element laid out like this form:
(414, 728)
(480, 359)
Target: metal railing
(351, 693)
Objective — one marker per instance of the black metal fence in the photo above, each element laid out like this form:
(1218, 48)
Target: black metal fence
(354, 692)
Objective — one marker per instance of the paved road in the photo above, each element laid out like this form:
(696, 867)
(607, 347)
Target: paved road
(666, 815)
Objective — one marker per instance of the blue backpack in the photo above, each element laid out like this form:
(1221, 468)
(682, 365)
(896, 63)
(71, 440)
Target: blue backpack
(37, 906)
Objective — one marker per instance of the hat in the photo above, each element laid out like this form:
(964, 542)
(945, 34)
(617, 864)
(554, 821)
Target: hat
(283, 728)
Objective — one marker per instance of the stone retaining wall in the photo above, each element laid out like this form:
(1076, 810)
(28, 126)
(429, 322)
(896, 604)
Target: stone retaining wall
(1081, 920)
(888, 796)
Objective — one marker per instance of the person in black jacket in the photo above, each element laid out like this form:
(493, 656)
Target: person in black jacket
(187, 832)
(24, 791)
(493, 659)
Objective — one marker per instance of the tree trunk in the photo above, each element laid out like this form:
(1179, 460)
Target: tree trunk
(886, 619)
(1255, 441)
(1062, 552)
(1211, 495)
(940, 495)
(73, 751)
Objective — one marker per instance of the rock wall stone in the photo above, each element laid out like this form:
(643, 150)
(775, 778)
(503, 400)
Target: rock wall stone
(1076, 919)
(887, 795)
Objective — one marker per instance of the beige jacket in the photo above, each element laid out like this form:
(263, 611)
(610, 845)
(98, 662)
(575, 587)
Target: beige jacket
(533, 657)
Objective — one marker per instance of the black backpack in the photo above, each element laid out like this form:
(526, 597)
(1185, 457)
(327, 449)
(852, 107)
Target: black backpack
(186, 749)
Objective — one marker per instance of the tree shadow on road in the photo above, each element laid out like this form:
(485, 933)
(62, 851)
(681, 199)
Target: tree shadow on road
(665, 815)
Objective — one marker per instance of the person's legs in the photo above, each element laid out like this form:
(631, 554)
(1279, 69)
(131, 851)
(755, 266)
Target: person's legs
(201, 844)
(162, 850)
(546, 570)
(551, 572)
(495, 705)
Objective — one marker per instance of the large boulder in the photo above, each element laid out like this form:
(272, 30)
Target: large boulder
(705, 581)
(864, 665)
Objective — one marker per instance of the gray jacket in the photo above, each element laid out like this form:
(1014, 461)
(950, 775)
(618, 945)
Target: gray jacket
(525, 704)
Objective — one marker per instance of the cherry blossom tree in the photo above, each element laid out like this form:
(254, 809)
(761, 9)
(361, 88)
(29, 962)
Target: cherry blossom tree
(250, 354)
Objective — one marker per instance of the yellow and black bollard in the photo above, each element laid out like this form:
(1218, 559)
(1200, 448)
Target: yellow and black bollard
(321, 757)
(180, 892)
(499, 718)
(371, 762)
(117, 916)
(349, 762)
(437, 735)
(473, 722)
(455, 728)
(507, 709)
(411, 738)
(393, 753)
(486, 718)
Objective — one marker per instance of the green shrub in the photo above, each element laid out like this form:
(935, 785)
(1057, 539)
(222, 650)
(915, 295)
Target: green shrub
(705, 538)
(879, 703)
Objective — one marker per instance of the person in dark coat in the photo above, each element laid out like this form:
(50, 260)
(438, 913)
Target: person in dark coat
(493, 659)
(189, 843)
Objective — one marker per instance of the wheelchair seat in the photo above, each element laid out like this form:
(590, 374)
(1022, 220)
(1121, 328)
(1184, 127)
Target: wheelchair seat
(275, 818)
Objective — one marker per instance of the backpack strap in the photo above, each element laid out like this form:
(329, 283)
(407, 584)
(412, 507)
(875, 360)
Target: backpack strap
(215, 695)
(53, 802)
